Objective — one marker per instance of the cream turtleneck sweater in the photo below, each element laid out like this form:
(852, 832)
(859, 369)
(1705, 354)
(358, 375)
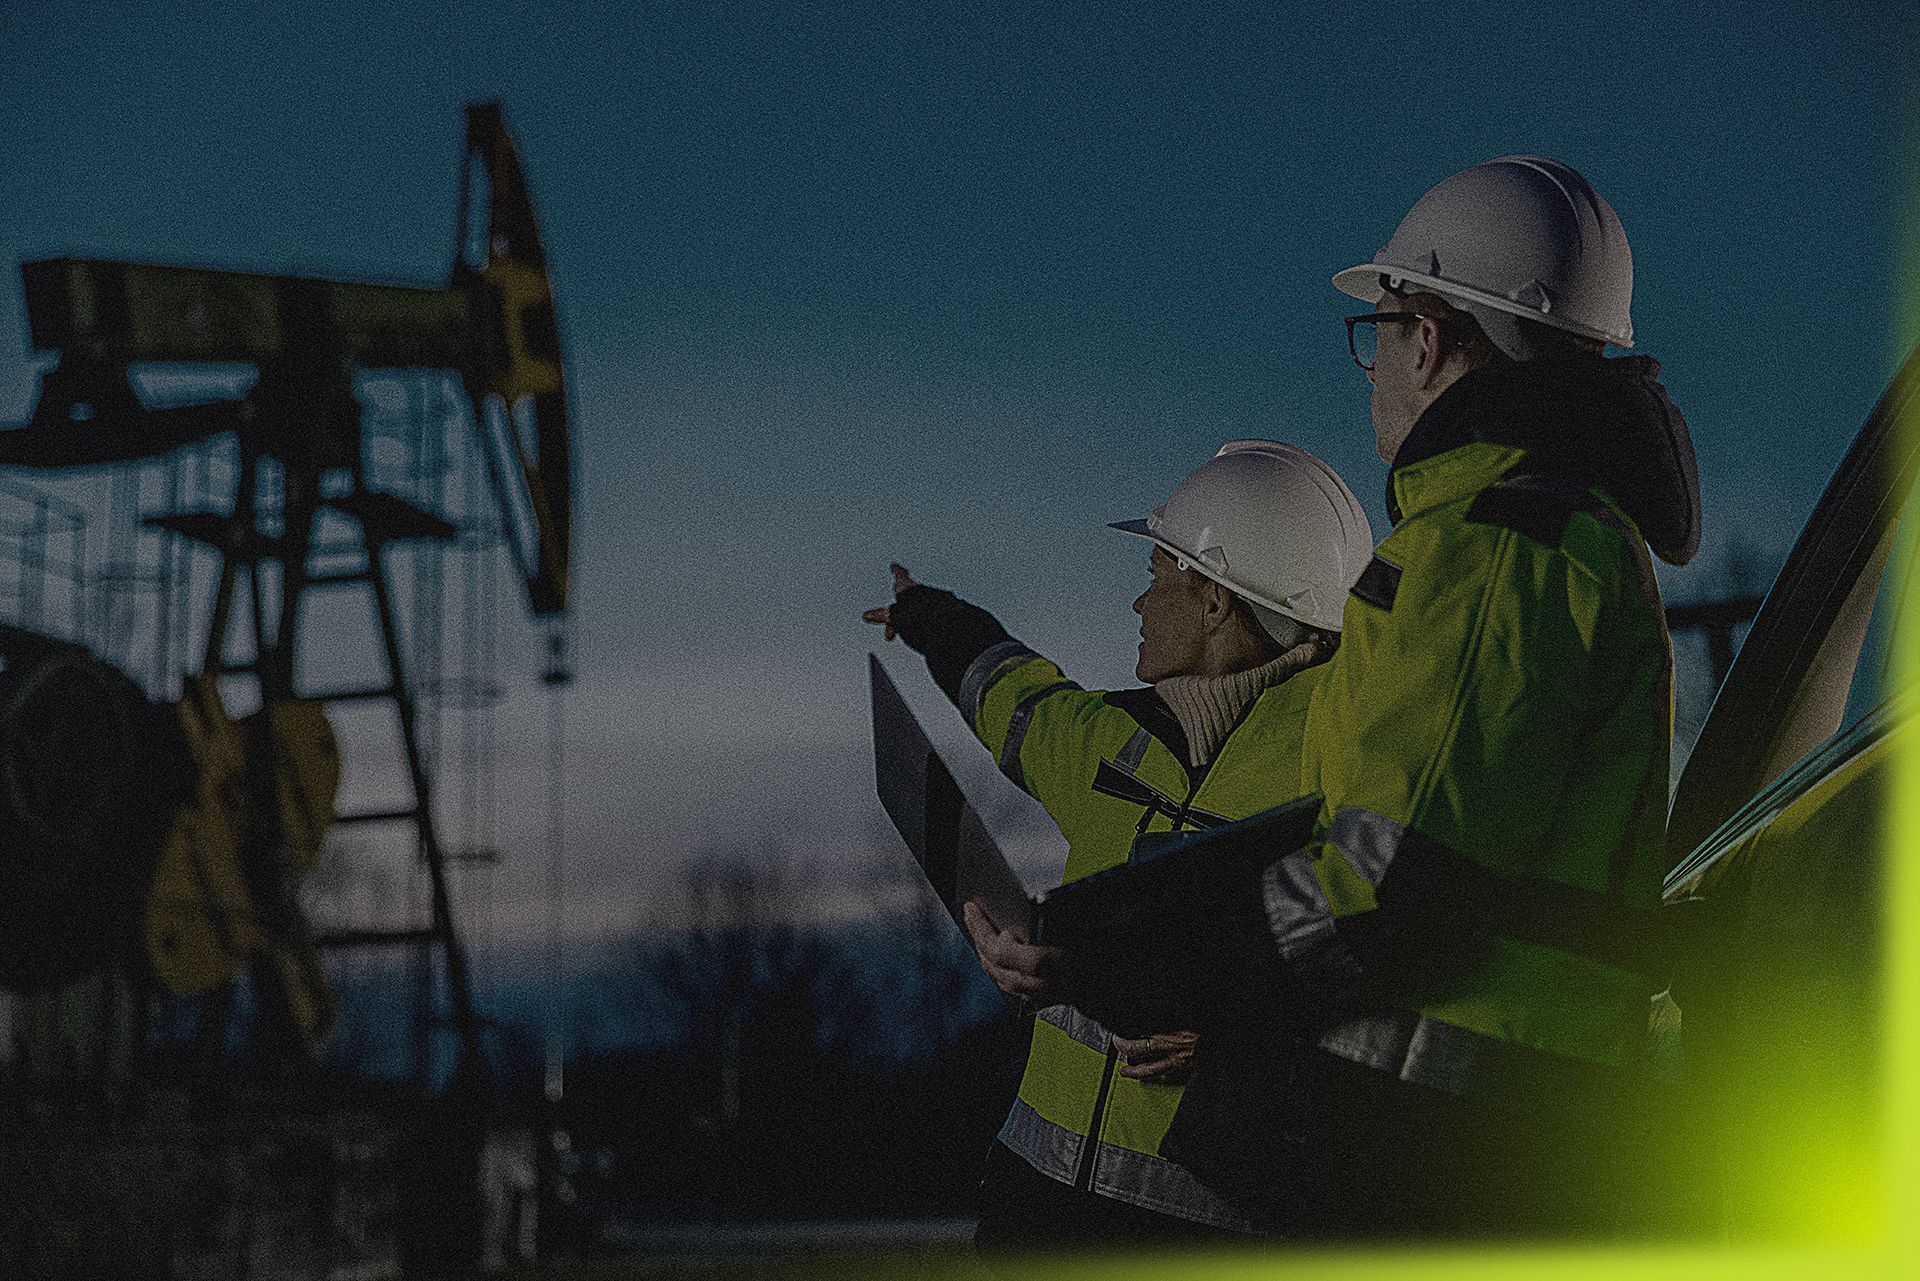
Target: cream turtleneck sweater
(1207, 707)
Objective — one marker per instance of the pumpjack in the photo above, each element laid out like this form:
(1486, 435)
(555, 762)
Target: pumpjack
(172, 835)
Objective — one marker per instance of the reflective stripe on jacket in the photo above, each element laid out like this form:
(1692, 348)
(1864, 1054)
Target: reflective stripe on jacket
(1501, 703)
(1107, 782)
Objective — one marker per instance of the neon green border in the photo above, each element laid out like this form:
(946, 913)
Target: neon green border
(1903, 821)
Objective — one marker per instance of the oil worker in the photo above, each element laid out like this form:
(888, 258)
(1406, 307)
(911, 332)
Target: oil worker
(1252, 557)
(1459, 957)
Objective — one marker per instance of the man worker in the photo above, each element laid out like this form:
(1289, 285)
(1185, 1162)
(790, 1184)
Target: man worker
(1253, 555)
(1458, 957)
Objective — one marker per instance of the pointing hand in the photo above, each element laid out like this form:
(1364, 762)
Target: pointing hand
(883, 614)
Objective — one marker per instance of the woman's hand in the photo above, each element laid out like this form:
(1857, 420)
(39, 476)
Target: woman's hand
(1165, 1056)
(1028, 973)
(883, 614)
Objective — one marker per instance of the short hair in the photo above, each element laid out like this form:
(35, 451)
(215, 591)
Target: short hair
(1463, 329)
(1540, 341)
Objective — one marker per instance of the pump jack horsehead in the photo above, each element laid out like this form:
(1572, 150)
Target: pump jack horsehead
(174, 832)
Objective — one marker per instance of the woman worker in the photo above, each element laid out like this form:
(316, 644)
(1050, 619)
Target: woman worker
(1253, 556)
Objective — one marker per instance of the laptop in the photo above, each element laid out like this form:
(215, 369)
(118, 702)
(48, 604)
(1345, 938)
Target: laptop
(955, 851)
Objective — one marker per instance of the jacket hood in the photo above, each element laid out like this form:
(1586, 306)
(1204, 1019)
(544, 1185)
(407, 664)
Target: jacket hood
(1606, 421)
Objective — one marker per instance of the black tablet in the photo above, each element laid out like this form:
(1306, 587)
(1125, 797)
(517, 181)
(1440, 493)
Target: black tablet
(1175, 888)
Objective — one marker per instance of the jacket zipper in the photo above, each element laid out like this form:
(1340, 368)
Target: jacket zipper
(1083, 1177)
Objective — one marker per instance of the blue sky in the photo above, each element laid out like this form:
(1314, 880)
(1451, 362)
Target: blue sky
(957, 286)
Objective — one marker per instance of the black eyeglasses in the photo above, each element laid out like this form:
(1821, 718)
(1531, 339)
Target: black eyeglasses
(1365, 343)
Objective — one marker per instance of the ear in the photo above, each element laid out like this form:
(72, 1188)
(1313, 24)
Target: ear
(1216, 605)
(1433, 351)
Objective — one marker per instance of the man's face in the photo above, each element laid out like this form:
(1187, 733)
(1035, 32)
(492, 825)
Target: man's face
(1397, 390)
(1172, 637)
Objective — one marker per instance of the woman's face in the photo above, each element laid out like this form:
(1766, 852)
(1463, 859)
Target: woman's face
(1172, 637)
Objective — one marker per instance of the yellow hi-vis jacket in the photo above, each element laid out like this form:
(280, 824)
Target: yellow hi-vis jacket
(1501, 703)
(1108, 781)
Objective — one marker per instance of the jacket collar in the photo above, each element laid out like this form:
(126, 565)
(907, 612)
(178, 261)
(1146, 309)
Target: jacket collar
(1447, 477)
(1606, 422)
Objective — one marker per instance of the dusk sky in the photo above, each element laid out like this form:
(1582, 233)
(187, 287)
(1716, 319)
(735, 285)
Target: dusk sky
(957, 286)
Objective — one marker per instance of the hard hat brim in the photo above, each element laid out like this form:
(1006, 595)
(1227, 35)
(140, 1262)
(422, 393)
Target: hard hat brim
(1140, 529)
(1363, 282)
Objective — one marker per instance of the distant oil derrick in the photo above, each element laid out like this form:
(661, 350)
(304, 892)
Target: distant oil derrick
(230, 536)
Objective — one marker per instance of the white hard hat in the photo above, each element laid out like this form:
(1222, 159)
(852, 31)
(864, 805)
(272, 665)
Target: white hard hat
(1269, 522)
(1518, 236)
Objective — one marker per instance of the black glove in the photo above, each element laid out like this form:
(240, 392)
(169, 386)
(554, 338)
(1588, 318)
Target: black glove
(949, 631)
